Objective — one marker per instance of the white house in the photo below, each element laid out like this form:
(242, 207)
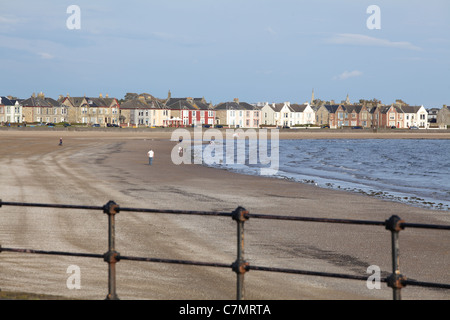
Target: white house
(10, 110)
(237, 114)
(415, 116)
(287, 114)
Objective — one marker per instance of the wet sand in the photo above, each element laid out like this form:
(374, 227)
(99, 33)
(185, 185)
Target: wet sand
(93, 167)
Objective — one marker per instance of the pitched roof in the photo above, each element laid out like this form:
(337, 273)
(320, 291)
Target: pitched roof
(40, 102)
(180, 103)
(6, 102)
(298, 107)
(235, 106)
(139, 104)
(410, 109)
(93, 102)
(331, 108)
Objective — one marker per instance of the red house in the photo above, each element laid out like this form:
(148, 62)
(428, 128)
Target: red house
(190, 112)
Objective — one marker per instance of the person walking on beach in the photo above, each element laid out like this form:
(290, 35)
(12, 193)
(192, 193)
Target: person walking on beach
(60, 141)
(150, 157)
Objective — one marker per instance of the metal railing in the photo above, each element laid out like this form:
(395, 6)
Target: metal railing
(394, 224)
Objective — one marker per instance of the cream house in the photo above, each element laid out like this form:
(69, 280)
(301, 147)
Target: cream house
(43, 109)
(87, 110)
(140, 112)
(238, 114)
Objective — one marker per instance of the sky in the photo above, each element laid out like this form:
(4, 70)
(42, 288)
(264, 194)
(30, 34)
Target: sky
(254, 50)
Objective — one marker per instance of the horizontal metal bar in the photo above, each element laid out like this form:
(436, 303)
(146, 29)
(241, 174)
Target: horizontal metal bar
(229, 214)
(310, 219)
(57, 253)
(425, 284)
(189, 212)
(174, 261)
(224, 265)
(424, 226)
(311, 273)
(47, 205)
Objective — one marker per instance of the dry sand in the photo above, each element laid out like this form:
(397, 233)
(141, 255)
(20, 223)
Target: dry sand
(93, 167)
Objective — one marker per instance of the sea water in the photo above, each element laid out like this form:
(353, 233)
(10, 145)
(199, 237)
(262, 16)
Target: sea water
(413, 171)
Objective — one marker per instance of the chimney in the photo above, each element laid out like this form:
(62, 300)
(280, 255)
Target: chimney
(107, 96)
(100, 95)
(41, 95)
(236, 100)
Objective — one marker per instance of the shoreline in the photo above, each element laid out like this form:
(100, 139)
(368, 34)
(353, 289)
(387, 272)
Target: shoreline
(166, 133)
(95, 168)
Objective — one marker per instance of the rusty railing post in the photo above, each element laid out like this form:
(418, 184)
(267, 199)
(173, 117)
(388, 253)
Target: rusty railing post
(240, 266)
(111, 256)
(395, 279)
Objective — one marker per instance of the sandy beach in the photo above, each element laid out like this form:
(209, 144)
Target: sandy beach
(93, 167)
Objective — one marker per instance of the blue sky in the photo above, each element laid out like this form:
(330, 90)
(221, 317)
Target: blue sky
(254, 50)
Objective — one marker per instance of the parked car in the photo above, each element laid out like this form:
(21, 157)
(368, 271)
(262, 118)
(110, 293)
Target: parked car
(112, 125)
(96, 125)
(413, 128)
(357, 127)
(50, 124)
(286, 127)
(66, 124)
(325, 126)
(393, 127)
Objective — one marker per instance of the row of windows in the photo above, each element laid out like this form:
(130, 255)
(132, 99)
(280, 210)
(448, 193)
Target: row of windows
(146, 113)
(9, 109)
(98, 111)
(233, 113)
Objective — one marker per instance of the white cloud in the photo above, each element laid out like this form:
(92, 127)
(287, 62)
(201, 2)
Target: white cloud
(45, 55)
(348, 74)
(271, 31)
(363, 40)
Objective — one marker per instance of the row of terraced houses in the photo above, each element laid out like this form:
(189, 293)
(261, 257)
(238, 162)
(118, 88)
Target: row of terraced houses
(144, 110)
